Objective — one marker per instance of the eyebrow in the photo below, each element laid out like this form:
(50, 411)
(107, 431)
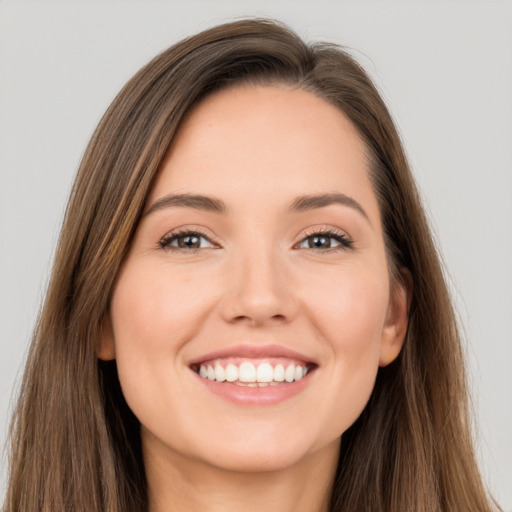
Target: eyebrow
(215, 205)
(311, 202)
(196, 201)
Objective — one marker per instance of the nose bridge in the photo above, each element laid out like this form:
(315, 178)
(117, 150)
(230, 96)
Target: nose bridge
(259, 287)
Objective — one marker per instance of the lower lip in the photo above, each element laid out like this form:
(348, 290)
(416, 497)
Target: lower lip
(245, 395)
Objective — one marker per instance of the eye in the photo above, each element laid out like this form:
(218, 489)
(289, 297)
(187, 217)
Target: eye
(185, 240)
(327, 239)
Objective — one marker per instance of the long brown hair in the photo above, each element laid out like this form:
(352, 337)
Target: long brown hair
(75, 444)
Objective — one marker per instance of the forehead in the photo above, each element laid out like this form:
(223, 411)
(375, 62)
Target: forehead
(263, 143)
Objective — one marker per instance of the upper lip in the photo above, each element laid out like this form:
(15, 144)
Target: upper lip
(253, 352)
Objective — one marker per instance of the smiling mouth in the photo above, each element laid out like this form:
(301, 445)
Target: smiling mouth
(246, 373)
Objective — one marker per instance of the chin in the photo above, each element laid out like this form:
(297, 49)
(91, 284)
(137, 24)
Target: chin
(257, 461)
(260, 453)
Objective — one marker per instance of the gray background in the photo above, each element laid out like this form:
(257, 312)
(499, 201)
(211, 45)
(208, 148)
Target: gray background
(444, 67)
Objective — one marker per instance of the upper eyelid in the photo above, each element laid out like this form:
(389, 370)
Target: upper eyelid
(190, 230)
(326, 230)
(345, 240)
(174, 234)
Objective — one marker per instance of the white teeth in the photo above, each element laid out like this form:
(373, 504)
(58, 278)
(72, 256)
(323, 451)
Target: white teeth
(279, 373)
(247, 374)
(231, 372)
(289, 374)
(220, 373)
(264, 373)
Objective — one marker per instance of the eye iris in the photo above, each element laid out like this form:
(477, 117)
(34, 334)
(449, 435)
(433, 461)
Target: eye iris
(321, 241)
(189, 241)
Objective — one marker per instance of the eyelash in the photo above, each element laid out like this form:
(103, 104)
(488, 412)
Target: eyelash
(171, 237)
(345, 241)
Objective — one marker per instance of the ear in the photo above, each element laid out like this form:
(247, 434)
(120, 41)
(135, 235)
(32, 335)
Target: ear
(397, 317)
(107, 349)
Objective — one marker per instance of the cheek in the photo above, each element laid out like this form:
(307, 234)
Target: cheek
(350, 309)
(154, 314)
(350, 318)
(153, 311)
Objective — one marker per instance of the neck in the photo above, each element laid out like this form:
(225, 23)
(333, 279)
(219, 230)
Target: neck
(179, 484)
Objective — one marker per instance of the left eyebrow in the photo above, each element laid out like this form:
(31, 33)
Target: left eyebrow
(311, 202)
(196, 201)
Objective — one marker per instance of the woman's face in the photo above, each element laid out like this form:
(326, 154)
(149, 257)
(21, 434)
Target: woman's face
(260, 256)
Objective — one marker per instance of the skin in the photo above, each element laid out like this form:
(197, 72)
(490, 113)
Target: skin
(255, 280)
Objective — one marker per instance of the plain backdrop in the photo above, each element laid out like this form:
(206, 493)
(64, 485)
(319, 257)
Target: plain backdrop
(444, 67)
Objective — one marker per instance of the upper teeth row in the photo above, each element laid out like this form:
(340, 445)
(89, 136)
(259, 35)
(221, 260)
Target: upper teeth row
(247, 372)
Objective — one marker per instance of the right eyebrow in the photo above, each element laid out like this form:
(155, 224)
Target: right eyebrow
(196, 201)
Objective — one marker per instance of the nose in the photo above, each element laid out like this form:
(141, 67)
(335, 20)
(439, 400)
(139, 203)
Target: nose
(259, 290)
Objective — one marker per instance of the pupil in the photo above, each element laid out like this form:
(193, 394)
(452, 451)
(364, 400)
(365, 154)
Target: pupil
(189, 241)
(320, 241)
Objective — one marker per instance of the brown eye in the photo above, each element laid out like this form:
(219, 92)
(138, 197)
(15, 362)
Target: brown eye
(322, 241)
(186, 240)
(326, 240)
(189, 241)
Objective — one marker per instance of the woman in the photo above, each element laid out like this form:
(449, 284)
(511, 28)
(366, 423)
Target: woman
(246, 308)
